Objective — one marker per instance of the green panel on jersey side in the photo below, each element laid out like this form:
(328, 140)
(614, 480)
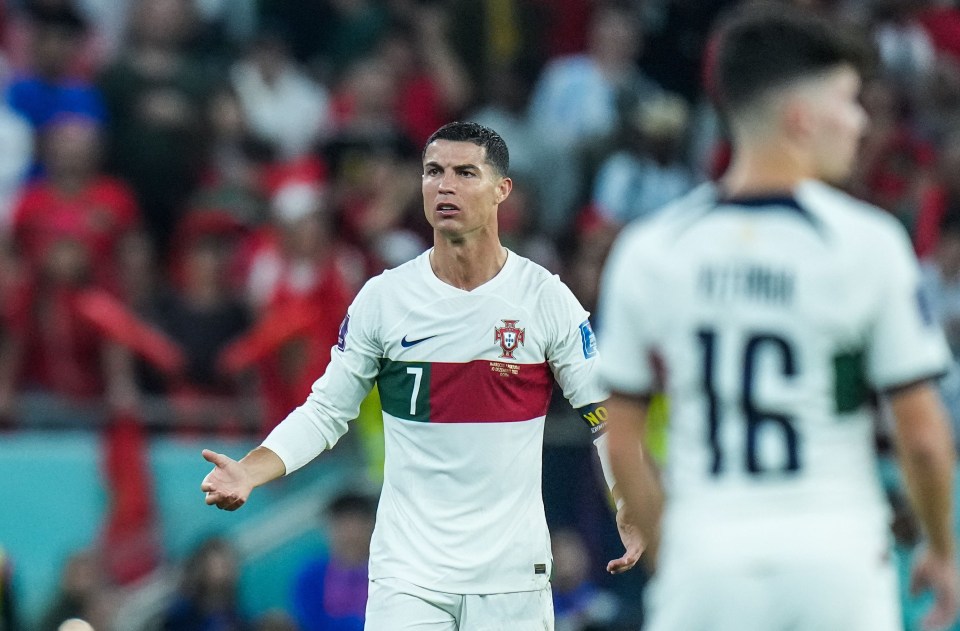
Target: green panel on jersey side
(851, 390)
(405, 386)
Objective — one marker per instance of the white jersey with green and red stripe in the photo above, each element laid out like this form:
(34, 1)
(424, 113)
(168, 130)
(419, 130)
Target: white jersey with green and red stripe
(465, 382)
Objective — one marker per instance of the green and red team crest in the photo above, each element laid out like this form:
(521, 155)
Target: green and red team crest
(509, 336)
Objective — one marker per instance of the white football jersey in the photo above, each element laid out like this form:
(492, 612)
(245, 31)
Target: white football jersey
(771, 323)
(465, 382)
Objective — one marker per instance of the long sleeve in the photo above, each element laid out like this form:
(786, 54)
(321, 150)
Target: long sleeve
(335, 398)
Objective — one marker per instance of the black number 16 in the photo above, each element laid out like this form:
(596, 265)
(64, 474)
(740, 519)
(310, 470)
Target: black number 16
(754, 416)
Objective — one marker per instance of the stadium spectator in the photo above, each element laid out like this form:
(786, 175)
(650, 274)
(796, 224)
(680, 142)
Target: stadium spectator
(207, 599)
(370, 211)
(365, 100)
(306, 28)
(586, 252)
(493, 34)
(68, 226)
(441, 552)
(49, 86)
(282, 104)
(904, 46)
(17, 139)
(367, 148)
(676, 36)
(299, 285)
(937, 105)
(83, 593)
(356, 29)
(578, 102)
(57, 346)
(895, 165)
(504, 107)
(565, 25)
(518, 231)
(237, 163)
(770, 361)
(330, 592)
(649, 171)
(941, 200)
(432, 85)
(942, 22)
(203, 312)
(155, 94)
(75, 201)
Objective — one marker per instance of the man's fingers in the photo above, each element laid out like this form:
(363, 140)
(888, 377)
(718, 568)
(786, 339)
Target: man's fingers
(218, 498)
(224, 502)
(624, 563)
(234, 505)
(214, 458)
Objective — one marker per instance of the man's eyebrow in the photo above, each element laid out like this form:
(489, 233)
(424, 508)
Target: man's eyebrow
(455, 167)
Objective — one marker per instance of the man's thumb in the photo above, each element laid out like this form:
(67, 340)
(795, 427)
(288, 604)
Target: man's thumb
(214, 458)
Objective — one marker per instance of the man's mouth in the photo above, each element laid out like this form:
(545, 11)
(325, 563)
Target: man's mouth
(447, 210)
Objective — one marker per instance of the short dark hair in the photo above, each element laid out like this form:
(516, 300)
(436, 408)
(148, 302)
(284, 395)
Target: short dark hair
(764, 46)
(461, 131)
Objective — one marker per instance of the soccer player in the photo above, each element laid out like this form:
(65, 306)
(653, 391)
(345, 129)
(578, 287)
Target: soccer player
(462, 342)
(774, 306)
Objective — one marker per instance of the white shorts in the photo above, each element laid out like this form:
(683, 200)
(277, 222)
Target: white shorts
(396, 605)
(834, 588)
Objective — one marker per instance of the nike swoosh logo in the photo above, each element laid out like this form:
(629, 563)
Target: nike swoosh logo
(408, 343)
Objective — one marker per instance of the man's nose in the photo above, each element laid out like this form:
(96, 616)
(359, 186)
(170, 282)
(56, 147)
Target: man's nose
(448, 182)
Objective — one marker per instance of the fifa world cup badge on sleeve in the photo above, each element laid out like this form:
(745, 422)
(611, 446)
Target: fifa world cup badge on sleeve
(342, 335)
(589, 339)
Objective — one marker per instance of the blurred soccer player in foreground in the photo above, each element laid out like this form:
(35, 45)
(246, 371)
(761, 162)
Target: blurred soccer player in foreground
(776, 306)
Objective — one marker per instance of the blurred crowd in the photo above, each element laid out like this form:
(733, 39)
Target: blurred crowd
(192, 191)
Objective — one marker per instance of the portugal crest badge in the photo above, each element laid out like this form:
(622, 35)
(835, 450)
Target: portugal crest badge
(509, 337)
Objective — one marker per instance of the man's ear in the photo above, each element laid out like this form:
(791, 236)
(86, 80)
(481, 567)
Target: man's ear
(503, 189)
(797, 116)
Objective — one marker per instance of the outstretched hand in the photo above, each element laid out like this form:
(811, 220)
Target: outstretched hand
(632, 542)
(228, 486)
(940, 576)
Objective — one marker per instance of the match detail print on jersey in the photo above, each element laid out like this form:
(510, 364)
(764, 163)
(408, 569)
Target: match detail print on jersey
(480, 391)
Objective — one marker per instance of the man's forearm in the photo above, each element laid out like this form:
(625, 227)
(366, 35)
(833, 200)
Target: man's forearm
(636, 480)
(926, 452)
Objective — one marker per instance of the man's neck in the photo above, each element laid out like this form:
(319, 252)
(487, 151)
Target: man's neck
(467, 264)
(764, 169)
